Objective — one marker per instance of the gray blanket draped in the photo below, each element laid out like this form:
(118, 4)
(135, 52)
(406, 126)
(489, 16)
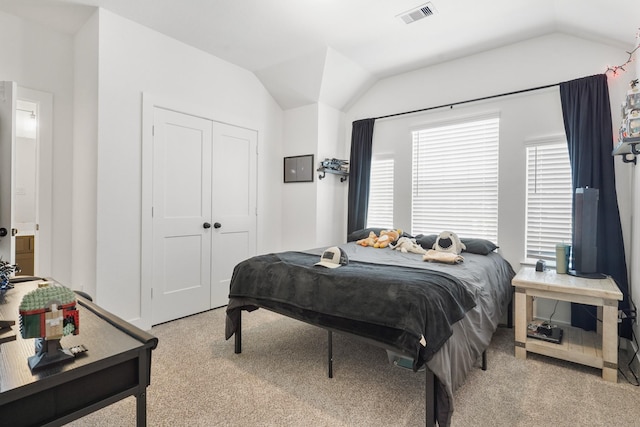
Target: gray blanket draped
(394, 305)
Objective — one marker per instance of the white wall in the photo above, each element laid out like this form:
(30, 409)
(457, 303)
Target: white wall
(298, 198)
(331, 193)
(134, 60)
(313, 213)
(537, 62)
(37, 58)
(85, 136)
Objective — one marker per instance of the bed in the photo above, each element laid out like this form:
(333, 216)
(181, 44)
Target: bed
(437, 314)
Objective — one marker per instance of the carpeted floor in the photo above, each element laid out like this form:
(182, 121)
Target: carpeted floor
(280, 379)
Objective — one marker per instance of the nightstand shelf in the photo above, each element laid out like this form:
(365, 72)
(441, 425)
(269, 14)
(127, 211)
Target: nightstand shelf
(577, 346)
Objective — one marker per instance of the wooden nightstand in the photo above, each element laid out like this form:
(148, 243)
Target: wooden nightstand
(597, 349)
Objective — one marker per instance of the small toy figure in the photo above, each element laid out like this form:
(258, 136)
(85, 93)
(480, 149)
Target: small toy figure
(406, 245)
(633, 123)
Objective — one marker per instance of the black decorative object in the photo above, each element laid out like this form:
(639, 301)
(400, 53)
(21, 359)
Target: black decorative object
(298, 168)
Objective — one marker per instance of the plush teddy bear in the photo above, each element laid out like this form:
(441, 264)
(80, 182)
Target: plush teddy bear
(368, 241)
(386, 238)
(449, 241)
(405, 244)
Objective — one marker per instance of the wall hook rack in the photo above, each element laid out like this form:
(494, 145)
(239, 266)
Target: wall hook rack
(628, 147)
(334, 166)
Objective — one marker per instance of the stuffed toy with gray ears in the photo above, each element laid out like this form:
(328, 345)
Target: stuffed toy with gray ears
(448, 241)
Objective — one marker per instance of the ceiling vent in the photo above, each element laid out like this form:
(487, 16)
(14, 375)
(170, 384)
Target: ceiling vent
(417, 13)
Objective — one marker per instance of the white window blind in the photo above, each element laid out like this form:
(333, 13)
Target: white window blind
(455, 179)
(549, 199)
(380, 211)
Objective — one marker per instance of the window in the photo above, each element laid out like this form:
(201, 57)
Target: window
(549, 199)
(380, 211)
(455, 179)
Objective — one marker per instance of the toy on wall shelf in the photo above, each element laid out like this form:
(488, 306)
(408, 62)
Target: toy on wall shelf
(629, 131)
(334, 166)
(47, 314)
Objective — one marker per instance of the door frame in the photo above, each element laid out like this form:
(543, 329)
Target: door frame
(8, 91)
(149, 103)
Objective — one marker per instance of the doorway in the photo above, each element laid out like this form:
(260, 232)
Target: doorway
(33, 168)
(26, 118)
(25, 188)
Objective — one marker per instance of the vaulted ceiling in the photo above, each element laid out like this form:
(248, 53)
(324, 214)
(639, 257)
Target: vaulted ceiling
(307, 51)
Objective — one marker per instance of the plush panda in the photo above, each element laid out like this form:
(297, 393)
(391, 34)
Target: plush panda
(449, 241)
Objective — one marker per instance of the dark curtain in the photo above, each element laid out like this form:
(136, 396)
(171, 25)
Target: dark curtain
(587, 120)
(359, 170)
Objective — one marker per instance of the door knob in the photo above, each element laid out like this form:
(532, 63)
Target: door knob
(206, 225)
(217, 225)
(3, 232)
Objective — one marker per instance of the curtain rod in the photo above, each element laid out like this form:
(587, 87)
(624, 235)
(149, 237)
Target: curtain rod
(470, 100)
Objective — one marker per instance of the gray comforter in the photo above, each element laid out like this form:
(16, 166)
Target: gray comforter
(393, 298)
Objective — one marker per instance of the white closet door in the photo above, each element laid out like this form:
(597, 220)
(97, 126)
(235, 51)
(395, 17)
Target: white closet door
(181, 278)
(234, 204)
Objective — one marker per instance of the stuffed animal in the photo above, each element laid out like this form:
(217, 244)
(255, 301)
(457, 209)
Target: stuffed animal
(405, 244)
(368, 241)
(449, 241)
(386, 238)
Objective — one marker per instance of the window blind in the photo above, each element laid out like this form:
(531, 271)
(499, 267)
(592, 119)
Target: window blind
(549, 199)
(380, 210)
(455, 179)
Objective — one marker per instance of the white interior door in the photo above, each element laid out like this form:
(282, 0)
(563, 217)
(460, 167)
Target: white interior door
(234, 204)
(8, 92)
(181, 278)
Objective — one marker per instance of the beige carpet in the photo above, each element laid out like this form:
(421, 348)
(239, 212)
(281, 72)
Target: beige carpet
(280, 380)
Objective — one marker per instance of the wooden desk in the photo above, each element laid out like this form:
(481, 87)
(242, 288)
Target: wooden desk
(597, 349)
(116, 365)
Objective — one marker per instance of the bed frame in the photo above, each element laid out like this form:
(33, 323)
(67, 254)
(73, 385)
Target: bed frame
(432, 383)
(431, 380)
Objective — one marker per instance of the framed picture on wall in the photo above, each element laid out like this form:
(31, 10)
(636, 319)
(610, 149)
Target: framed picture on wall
(298, 168)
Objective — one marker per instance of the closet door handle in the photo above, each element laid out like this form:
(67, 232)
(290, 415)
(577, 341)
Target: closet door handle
(206, 225)
(217, 225)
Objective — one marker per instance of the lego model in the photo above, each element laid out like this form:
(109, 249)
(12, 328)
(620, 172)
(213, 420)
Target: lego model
(335, 164)
(47, 314)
